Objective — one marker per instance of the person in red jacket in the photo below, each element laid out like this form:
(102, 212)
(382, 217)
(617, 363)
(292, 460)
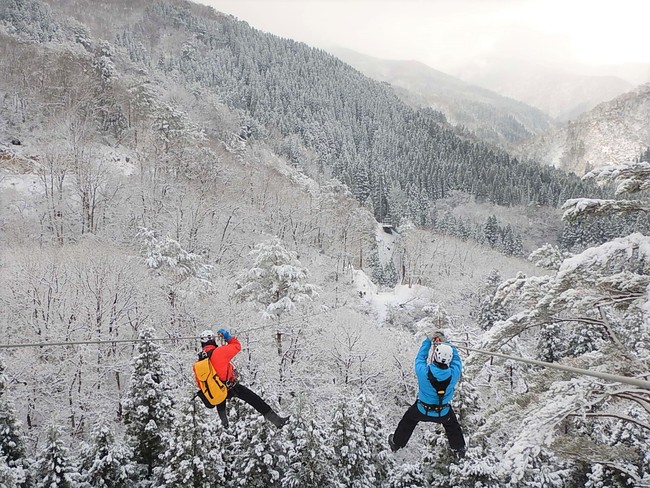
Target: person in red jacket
(220, 358)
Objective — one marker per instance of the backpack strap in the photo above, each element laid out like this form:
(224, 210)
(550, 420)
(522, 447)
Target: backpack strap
(441, 389)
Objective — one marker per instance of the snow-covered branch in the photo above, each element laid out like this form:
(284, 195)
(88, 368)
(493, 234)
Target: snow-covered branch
(579, 207)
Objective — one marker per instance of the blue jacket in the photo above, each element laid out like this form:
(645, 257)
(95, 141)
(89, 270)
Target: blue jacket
(427, 393)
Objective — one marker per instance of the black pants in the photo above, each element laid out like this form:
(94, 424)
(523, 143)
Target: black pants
(411, 418)
(253, 399)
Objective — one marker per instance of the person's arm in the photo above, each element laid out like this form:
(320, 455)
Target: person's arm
(421, 365)
(231, 349)
(456, 366)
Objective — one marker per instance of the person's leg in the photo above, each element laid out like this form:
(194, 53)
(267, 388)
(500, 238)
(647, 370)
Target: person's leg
(405, 427)
(454, 431)
(254, 400)
(250, 397)
(221, 410)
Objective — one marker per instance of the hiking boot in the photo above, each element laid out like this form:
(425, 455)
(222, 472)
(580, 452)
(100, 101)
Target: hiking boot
(391, 443)
(275, 419)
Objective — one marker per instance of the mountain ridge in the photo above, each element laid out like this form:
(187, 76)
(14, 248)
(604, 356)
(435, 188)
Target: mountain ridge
(494, 118)
(614, 132)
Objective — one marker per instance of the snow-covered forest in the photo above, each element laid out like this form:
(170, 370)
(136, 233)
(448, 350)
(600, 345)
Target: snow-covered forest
(166, 169)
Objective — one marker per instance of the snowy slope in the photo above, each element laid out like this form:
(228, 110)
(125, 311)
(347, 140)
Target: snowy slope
(612, 133)
(492, 117)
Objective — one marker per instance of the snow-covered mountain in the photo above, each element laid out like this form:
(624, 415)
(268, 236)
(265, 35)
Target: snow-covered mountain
(560, 93)
(614, 132)
(492, 117)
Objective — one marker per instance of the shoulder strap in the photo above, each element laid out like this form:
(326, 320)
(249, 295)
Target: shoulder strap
(439, 386)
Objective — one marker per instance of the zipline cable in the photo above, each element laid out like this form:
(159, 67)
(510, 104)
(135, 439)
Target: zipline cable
(605, 376)
(570, 369)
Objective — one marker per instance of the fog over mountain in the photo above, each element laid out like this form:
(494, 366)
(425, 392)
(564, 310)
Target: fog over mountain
(612, 133)
(492, 117)
(557, 91)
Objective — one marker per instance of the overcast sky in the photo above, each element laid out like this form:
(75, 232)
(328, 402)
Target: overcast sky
(448, 34)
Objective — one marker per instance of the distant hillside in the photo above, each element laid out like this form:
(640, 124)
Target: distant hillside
(492, 117)
(559, 93)
(310, 107)
(612, 133)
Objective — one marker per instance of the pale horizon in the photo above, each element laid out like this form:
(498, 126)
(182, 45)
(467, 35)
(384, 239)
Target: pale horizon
(450, 35)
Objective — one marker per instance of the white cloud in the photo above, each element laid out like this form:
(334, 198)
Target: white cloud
(449, 33)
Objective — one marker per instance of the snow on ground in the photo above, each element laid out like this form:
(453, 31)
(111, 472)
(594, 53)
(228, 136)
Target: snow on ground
(23, 184)
(400, 296)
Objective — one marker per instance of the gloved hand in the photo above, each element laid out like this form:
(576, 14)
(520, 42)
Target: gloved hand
(225, 334)
(438, 336)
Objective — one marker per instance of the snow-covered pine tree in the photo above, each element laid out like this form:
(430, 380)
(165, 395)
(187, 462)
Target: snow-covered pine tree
(308, 454)
(277, 281)
(479, 468)
(406, 475)
(489, 312)
(168, 256)
(491, 230)
(375, 436)
(12, 445)
(436, 456)
(54, 465)
(262, 457)
(181, 274)
(193, 456)
(352, 465)
(105, 462)
(600, 299)
(9, 476)
(147, 408)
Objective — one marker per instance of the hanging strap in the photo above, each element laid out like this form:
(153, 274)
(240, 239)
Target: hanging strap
(441, 388)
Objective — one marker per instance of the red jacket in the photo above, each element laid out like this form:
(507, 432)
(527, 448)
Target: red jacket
(220, 359)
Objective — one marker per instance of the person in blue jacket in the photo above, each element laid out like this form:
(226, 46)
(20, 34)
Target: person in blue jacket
(437, 382)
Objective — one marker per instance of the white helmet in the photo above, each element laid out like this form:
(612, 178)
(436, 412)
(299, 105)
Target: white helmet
(206, 335)
(443, 354)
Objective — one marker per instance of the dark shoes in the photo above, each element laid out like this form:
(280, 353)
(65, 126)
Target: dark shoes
(275, 419)
(391, 443)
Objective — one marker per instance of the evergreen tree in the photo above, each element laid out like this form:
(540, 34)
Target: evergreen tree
(193, 456)
(147, 406)
(12, 446)
(599, 298)
(375, 436)
(480, 467)
(308, 455)
(54, 467)
(552, 344)
(353, 463)
(277, 280)
(406, 475)
(263, 456)
(491, 230)
(105, 463)
(436, 457)
(9, 476)
(490, 312)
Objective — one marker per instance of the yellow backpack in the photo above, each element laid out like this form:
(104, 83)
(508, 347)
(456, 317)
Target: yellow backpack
(213, 391)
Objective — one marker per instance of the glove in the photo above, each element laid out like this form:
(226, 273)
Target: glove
(438, 336)
(225, 334)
